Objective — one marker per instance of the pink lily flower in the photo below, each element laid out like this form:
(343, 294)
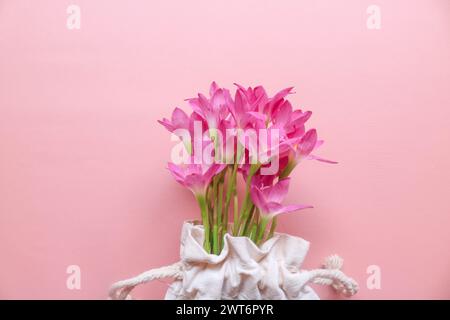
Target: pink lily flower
(244, 113)
(308, 143)
(296, 127)
(212, 110)
(301, 149)
(256, 97)
(271, 107)
(179, 120)
(262, 181)
(268, 199)
(195, 177)
(183, 126)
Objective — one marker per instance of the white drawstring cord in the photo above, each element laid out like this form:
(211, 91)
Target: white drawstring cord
(330, 275)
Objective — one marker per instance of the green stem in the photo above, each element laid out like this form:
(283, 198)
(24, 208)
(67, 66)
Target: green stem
(215, 239)
(287, 171)
(219, 207)
(205, 219)
(273, 226)
(235, 213)
(253, 232)
(249, 222)
(215, 215)
(219, 217)
(255, 225)
(263, 224)
(230, 189)
(246, 206)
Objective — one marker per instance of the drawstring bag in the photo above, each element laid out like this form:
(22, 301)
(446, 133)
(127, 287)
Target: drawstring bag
(242, 271)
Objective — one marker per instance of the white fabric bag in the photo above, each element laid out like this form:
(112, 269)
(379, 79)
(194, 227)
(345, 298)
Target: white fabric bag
(242, 270)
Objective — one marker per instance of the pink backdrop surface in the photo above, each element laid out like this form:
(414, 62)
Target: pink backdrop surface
(82, 158)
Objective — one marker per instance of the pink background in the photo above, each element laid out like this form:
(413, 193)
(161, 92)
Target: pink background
(82, 159)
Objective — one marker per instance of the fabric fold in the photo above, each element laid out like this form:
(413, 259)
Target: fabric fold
(242, 270)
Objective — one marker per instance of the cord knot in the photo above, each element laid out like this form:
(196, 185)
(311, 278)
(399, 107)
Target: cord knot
(333, 262)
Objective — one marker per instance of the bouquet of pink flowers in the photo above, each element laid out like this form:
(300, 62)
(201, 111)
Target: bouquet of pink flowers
(235, 253)
(257, 137)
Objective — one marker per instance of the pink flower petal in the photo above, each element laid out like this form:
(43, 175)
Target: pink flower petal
(291, 208)
(313, 157)
(167, 124)
(278, 192)
(180, 118)
(213, 88)
(307, 143)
